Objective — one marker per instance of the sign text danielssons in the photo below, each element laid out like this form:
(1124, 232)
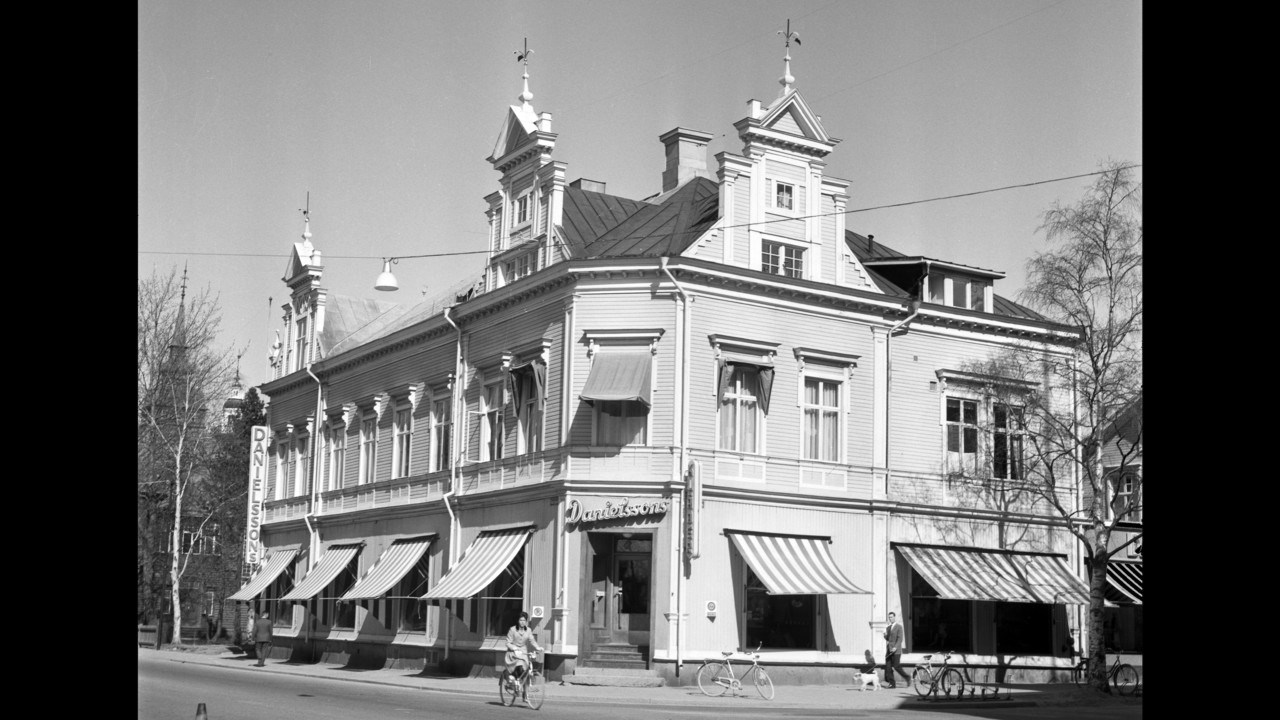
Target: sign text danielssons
(623, 509)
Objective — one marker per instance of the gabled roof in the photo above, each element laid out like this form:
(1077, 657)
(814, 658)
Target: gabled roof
(790, 113)
(600, 225)
(1127, 425)
(516, 128)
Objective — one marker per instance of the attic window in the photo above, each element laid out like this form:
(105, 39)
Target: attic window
(780, 259)
(522, 209)
(784, 196)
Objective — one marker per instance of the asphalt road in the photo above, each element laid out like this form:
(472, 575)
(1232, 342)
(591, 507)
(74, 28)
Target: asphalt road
(169, 690)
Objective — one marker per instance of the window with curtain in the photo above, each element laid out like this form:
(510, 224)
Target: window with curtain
(621, 422)
(403, 441)
(491, 423)
(1007, 428)
(441, 432)
(962, 434)
(303, 469)
(526, 386)
(821, 408)
(368, 448)
(744, 403)
(337, 444)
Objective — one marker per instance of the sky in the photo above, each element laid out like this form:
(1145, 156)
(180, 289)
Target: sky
(378, 115)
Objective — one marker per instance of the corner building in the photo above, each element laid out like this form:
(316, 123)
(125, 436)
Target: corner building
(708, 419)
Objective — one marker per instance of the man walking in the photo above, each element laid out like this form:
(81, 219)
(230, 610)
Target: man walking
(262, 637)
(893, 653)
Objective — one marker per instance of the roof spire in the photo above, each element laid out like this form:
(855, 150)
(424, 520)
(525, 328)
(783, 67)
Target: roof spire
(523, 57)
(787, 79)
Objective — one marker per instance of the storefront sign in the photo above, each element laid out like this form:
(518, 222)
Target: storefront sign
(623, 509)
(257, 485)
(692, 510)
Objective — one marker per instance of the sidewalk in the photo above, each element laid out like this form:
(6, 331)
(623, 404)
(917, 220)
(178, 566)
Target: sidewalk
(786, 697)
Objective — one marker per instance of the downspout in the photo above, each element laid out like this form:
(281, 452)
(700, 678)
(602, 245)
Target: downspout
(453, 465)
(684, 435)
(1079, 495)
(888, 386)
(313, 532)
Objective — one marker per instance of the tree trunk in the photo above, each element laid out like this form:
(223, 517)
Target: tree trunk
(175, 575)
(1097, 648)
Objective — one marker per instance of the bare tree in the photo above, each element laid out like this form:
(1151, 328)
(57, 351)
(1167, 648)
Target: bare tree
(180, 375)
(1071, 426)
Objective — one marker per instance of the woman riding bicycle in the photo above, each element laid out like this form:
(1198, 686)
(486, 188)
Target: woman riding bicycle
(519, 639)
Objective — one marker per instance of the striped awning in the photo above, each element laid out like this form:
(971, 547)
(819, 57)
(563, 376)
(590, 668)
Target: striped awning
(996, 575)
(620, 375)
(396, 560)
(792, 564)
(333, 561)
(484, 558)
(1126, 577)
(277, 561)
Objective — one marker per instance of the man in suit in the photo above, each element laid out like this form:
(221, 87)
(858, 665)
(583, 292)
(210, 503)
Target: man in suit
(262, 629)
(893, 653)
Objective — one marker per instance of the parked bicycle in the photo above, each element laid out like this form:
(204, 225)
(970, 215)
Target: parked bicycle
(928, 680)
(1122, 676)
(531, 686)
(715, 676)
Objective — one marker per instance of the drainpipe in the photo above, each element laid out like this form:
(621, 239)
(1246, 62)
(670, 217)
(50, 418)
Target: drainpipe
(458, 386)
(683, 440)
(888, 386)
(313, 532)
(1079, 496)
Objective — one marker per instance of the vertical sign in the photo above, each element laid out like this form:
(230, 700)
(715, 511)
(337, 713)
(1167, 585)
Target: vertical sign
(257, 486)
(692, 510)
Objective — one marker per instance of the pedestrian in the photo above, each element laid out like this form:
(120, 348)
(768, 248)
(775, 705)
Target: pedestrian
(519, 640)
(262, 630)
(893, 652)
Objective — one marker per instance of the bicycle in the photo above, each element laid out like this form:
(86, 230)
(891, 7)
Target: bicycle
(927, 679)
(531, 686)
(1121, 675)
(715, 676)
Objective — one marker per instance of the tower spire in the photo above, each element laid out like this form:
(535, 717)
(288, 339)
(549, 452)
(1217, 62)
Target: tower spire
(523, 57)
(787, 79)
(306, 222)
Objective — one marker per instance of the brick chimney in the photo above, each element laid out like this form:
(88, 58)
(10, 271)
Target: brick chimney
(686, 155)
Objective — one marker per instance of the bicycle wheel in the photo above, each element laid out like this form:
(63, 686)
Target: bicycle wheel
(508, 693)
(952, 683)
(1080, 673)
(535, 692)
(764, 685)
(713, 679)
(921, 680)
(1125, 679)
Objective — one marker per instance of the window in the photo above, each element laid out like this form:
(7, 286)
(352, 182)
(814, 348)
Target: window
(302, 478)
(779, 259)
(821, 419)
(368, 448)
(522, 209)
(527, 397)
(784, 196)
(743, 403)
(209, 539)
(780, 621)
(1024, 628)
(290, 469)
(344, 611)
(403, 442)
(408, 594)
(621, 422)
(441, 432)
(186, 542)
(491, 423)
(276, 491)
(522, 266)
(1006, 462)
(301, 342)
(937, 624)
(209, 596)
(962, 435)
(337, 455)
(502, 600)
(1126, 489)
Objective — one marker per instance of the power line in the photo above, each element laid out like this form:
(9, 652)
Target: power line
(669, 234)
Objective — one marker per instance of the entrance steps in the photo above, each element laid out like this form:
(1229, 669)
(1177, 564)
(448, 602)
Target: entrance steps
(614, 677)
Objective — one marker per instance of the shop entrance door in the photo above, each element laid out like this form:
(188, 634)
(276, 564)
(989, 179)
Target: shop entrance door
(617, 599)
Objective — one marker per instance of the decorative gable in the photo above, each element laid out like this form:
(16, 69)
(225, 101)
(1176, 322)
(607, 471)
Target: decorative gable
(791, 115)
(516, 130)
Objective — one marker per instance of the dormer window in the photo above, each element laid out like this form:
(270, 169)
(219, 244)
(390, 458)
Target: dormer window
(784, 196)
(522, 209)
(961, 292)
(781, 259)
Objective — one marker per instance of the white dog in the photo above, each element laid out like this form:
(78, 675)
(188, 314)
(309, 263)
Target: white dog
(865, 679)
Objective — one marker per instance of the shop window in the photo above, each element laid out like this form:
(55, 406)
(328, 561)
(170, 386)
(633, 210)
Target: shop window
(1024, 628)
(1122, 628)
(501, 602)
(780, 622)
(344, 611)
(937, 625)
(962, 434)
(412, 609)
(441, 432)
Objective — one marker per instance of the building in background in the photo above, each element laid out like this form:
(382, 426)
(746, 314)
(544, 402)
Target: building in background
(706, 419)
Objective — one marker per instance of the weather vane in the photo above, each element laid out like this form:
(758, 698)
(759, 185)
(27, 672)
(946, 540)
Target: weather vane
(786, 79)
(789, 36)
(523, 57)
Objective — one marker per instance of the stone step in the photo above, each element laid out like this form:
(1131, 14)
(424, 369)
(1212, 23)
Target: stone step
(615, 650)
(614, 677)
(638, 663)
(628, 672)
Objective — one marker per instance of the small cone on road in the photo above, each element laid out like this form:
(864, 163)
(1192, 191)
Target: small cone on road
(201, 714)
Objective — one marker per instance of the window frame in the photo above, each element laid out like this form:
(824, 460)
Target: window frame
(491, 420)
(1014, 451)
(603, 422)
(441, 431)
(963, 431)
(734, 395)
(780, 267)
(336, 452)
(530, 417)
(402, 441)
(523, 209)
(368, 470)
(838, 412)
(491, 609)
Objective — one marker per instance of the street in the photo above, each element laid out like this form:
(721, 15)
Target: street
(168, 690)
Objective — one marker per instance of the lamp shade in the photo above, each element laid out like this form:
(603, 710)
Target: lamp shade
(386, 281)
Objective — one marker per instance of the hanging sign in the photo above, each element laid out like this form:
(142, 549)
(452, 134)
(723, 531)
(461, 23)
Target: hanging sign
(258, 435)
(692, 510)
(624, 508)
